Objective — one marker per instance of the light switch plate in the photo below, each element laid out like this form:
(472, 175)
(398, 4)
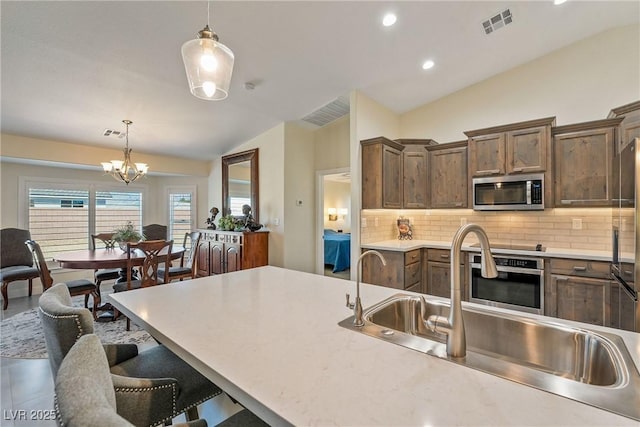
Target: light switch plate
(576, 223)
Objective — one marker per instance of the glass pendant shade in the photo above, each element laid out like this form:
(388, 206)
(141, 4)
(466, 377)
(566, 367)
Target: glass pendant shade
(209, 65)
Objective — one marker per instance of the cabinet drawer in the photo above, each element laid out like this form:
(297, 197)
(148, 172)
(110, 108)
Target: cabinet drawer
(411, 257)
(439, 255)
(411, 275)
(580, 267)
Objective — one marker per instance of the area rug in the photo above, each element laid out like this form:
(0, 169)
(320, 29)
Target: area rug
(22, 337)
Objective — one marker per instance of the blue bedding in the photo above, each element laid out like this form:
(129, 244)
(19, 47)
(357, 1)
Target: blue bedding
(337, 250)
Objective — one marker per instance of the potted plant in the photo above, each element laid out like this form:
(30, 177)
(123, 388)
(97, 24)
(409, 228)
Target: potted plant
(227, 223)
(126, 234)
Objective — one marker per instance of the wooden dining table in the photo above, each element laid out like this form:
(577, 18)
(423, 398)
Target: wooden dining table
(96, 259)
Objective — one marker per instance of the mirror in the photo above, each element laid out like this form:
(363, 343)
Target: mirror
(240, 183)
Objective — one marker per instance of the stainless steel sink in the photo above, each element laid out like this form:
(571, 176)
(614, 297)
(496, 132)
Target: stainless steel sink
(588, 366)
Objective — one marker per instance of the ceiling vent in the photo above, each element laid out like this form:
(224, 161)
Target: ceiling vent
(497, 21)
(114, 133)
(330, 112)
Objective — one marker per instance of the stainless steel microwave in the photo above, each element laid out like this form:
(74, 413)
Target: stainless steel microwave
(509, 193)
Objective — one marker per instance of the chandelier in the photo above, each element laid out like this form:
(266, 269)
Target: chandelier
(126, 170)
(208, 64)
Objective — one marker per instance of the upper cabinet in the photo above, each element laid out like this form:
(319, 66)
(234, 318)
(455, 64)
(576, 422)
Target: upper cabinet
(510, 149)
(382, 167)
(448, 182)
(583, 160)
(415, 172)
(630, 125)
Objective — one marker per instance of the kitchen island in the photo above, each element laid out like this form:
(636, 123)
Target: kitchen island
(270, 338)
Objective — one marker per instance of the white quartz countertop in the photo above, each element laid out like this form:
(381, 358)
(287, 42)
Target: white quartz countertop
(270, 338)
(408, 245)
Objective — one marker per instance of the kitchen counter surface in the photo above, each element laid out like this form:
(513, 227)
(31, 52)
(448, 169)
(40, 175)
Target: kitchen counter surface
(408, 245)
(270, 338)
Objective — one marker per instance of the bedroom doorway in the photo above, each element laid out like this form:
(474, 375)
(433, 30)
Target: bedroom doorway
(333, 223)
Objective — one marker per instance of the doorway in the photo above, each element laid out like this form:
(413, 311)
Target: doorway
(333, 223)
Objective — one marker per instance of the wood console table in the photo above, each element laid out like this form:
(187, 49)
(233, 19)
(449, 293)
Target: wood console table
(225, 251)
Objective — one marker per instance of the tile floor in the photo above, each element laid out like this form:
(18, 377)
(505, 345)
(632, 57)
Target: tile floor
(26, 387)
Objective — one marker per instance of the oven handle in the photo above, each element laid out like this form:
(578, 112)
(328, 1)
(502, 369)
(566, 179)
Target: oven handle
(530, 271)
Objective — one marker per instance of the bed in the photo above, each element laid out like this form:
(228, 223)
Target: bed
(337, 250)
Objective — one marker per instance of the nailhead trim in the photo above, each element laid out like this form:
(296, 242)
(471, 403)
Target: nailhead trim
(158, 387)
(57, 408)
(76, 317)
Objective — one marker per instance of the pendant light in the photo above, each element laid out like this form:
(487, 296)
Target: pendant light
(125, 171)
(208, 64)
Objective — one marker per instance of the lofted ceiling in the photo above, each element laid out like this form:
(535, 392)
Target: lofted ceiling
(71, 69)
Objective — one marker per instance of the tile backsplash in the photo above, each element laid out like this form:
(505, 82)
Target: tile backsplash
(576, 228)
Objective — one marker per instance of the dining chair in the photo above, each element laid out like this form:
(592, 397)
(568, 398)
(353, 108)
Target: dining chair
(100, 275)
(188, 261)
(15, 261)
(156, 253)
(154, 232)
(76, 287)
(172, 386)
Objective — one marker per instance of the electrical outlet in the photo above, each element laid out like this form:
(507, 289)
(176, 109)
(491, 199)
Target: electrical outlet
(276, 221)
(463, 221)
(576, 224)
(363, 223)
(375, 222)
(298, 202)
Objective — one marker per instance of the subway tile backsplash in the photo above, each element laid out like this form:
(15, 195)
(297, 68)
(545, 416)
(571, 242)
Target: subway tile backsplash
(580, 228)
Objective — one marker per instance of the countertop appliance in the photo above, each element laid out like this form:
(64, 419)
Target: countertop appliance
(519, 285)
(626, 235)
(512, 192)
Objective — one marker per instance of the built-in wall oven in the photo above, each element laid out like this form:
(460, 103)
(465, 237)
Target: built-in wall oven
(519, 285)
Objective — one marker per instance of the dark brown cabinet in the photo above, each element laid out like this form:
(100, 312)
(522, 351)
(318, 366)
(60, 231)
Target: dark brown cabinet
(579, 290)
(382, 172)
(583, 163)
(437, 278)
(448, 183)
(226, 251)
(415, 172)
(510, 149)
(403, 270)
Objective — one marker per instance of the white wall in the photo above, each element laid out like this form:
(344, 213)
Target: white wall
(332, 145)
(299, 220)
(578, 83)
(337, 195)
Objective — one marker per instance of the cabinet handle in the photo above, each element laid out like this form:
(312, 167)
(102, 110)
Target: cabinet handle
(629, 272)
(458, 203)
(518, 169)
(579, 268)
(492, 171)
(445, 256)
(414, 256)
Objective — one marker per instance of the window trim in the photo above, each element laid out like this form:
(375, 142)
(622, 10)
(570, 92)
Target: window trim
(172, 189)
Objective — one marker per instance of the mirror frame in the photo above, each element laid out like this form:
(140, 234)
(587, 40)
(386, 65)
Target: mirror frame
(252, 157)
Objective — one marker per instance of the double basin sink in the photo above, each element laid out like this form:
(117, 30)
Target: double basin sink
(584, 365)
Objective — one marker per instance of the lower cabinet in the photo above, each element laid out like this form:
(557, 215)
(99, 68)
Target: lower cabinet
(403, 270)
(437, 276)
(579, 290)
(226, 251)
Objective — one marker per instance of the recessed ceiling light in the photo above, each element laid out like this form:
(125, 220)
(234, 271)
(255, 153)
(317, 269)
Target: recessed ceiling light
(428, 64)
(389, 19)
(557, 2)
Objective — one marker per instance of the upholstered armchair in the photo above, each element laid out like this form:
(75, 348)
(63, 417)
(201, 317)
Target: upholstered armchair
(15, 260)
(86, 390)
(183, 387)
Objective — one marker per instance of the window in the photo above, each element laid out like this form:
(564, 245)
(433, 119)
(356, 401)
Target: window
(236, 205)
(181, 212)
(62, 215)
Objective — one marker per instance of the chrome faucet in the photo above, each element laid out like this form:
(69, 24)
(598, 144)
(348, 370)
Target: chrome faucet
(453, 326)
(357, 306)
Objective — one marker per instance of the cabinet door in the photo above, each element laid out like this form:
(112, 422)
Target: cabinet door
(203, 268)
(527, 150)
(448, 178)
(439, 279)
(391, 275)
(581, 299)
(233, 258)
(216, 258)
(391, 178)
(622, 309)
(487, 155)
(415, 179)
(583, 168)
